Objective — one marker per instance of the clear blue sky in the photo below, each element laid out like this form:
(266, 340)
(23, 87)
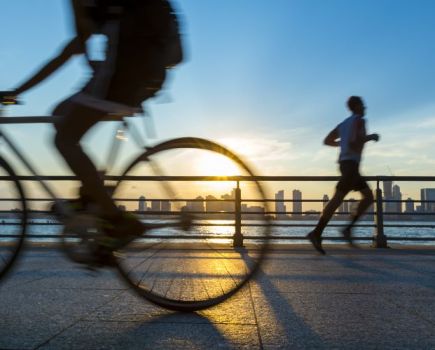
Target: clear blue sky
(269, 78)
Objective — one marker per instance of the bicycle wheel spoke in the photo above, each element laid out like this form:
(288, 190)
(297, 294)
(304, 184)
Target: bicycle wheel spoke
(13, 218)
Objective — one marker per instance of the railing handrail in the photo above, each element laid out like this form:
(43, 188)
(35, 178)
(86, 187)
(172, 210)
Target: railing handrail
(235, 178)
(239, 213)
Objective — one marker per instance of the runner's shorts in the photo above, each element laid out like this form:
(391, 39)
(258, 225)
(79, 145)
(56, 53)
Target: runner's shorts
(351, 179)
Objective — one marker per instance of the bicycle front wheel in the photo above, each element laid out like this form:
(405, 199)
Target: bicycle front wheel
(189, 261)
(13, 217)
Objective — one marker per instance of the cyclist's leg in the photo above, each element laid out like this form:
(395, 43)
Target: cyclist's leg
(75, 121)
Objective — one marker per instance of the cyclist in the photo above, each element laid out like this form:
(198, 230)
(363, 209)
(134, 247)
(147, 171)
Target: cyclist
(143, 41)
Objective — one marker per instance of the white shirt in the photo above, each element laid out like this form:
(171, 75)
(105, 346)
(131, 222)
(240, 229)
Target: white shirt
(348, 131)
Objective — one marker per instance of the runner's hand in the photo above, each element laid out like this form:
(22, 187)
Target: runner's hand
(375, 137)
(8, 98)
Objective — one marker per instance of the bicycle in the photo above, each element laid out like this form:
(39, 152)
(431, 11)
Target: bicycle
(170, 264)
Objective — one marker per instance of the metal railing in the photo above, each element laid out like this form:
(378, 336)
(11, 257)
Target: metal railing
(379, 239)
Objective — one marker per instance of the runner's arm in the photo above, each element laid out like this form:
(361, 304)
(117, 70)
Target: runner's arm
(72, 48)
(360, 137)
(332, 138)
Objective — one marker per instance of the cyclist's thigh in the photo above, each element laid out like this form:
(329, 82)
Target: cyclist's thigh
(75, 120)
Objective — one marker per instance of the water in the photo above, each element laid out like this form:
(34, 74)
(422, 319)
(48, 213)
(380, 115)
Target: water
(225, 228)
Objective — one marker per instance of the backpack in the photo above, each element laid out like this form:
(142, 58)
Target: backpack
(142, 22)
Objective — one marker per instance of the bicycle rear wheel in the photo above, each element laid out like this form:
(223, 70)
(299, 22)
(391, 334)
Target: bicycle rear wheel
(189, 262)
(13, 217)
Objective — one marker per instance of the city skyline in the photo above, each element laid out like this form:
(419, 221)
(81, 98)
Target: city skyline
(209, 203)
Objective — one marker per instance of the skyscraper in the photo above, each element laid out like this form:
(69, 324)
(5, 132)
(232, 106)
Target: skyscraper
(388, 195)
(142, 206)
(280, 208)
(388, 189)
(428, 194)
(297, 206)
(397, 195)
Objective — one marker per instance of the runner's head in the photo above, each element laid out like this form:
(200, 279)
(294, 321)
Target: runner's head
(356, 105)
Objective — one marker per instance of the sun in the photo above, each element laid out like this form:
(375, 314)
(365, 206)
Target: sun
(216, 165)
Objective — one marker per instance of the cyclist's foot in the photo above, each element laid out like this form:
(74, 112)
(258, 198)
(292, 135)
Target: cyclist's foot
(74, 205)
(121, 231)
(103, 257)
(316, 241)
(347, 235)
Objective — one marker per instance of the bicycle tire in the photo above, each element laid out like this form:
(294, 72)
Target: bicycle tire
(14, 222)
(186, 304)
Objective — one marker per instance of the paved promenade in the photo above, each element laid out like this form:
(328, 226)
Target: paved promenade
(349, 299)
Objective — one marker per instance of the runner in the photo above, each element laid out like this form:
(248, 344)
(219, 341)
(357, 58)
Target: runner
(350, 136)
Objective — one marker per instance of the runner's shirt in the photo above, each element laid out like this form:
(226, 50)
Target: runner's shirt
(348, 131)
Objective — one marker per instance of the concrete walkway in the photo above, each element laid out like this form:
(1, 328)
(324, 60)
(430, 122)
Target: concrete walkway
(349, 299)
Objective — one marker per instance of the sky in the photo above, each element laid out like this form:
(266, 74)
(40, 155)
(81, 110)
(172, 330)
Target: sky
(269, 79)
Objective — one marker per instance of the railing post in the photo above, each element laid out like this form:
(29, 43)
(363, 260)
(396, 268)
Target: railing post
(379, 238)
(238, 237)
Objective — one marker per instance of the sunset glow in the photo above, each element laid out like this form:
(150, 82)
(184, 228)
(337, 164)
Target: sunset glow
(215, 165)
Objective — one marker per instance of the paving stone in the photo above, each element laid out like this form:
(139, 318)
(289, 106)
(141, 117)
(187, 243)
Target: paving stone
(349, 299)
(163, 333)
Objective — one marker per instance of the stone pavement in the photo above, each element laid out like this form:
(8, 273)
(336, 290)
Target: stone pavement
(349, 299)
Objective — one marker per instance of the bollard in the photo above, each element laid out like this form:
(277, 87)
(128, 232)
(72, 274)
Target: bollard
(238, 237)
(379, 238)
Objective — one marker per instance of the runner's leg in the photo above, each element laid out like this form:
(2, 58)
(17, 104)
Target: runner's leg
(329, 210)
(364, 204)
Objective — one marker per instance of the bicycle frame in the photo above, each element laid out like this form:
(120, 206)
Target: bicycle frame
(120, 128)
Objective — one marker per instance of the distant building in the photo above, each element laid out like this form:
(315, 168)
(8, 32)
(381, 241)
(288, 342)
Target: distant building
(388, 195)
(312, 214)
(197, 205)
(228, 203)
(212, 204)
(388, 189)
(409, 206)
(427, 194)
(165, 205)
(343, 209)
(397, 195)
(352, 205)
(142, 206)
(280, 208)
(155, 205)
(325, 200)
(122, 207)
(297, 204)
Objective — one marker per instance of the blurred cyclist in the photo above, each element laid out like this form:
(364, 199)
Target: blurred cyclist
(143, 41)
